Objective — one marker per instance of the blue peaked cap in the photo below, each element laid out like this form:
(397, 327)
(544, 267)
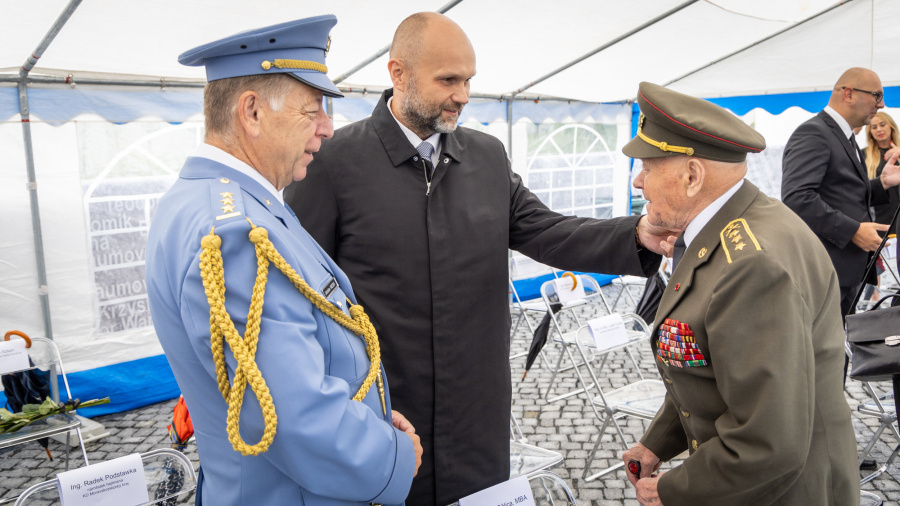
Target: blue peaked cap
(297, 48)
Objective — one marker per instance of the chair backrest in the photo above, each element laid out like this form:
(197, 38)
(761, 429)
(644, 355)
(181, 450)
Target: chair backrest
(592, 294)
(168, 473)
(45, 356)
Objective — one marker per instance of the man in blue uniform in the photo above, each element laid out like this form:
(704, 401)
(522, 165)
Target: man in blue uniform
(280, 369)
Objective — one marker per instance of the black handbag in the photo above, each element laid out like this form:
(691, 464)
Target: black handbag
(874, 335)
(874, 339)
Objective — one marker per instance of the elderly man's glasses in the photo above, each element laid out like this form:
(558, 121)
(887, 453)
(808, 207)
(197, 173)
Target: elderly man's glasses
(879, 95)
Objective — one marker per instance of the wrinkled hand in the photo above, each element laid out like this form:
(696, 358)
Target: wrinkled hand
(401, 423)
(661, 240)
(647, 494)
(866, 237)
(890, 175)
(649, 462)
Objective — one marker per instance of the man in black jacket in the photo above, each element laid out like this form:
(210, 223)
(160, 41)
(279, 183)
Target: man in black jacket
(824, 179)
(420, 215)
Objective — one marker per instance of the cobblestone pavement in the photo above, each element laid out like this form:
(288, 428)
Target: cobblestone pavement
(568, 426)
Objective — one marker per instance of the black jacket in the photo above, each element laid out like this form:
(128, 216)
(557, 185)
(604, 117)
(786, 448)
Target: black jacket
(827, 186)
(431, 271)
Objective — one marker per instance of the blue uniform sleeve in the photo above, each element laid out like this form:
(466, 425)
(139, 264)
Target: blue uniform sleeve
(327, 443)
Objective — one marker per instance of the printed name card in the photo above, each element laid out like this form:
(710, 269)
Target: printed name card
(608, 331)
(515, 492)
(118, 482)
(13, 356)
(525, 267)
(567, 290)
(890, 248)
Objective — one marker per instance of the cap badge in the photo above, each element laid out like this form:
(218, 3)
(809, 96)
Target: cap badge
(328, 45)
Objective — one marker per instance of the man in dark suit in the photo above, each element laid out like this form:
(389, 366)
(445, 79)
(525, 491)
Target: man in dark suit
(421, 213)
(824, 179)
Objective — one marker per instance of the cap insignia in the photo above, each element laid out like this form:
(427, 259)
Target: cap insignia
(664, 146)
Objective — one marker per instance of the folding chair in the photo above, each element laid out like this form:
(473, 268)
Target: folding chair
(625, 284)
(523, 268)
(45, 357)
(168, 472)
(584, 346)
(881, 407)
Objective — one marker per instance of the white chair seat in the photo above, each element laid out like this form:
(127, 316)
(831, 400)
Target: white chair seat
(642, 398)
(869, 499)
(525, 459)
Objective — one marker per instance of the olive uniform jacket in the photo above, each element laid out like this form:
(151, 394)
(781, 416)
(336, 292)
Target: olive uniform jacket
(431, 268)
(749, 342)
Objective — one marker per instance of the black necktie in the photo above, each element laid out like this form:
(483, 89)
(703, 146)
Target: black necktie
(855, 147)
(678, 252)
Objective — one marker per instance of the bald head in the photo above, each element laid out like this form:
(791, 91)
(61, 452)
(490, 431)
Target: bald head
(423, 33)
(852, 96)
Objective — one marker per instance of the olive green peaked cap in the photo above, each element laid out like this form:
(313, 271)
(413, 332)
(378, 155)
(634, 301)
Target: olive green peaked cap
(673, 124)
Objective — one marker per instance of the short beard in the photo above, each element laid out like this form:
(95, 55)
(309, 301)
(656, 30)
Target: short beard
(424, 119)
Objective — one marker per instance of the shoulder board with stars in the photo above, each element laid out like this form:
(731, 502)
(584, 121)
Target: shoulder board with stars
(737, 239)
(226, 200)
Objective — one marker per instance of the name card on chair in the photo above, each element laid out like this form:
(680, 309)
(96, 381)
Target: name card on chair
(525, 267)
(515, 492)
(117, 482)
(566, 288)
(608, 331)
(13, 356)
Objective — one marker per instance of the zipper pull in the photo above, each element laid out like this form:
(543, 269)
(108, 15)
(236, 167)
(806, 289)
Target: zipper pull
(428, 188)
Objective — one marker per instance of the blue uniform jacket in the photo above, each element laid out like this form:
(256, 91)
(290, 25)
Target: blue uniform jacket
(328, 449)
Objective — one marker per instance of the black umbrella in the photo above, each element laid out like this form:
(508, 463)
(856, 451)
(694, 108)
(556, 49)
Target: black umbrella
(26, 387)
(649, 303)
(540, 337)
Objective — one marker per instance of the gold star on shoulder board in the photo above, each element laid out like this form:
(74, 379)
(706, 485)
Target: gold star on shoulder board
(737, 238)
(227, 209)
(739, 246)
(733, 233)
(226, 195)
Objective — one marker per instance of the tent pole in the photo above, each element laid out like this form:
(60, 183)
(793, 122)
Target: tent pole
(29, 64)
(449, 5)
(608, 44)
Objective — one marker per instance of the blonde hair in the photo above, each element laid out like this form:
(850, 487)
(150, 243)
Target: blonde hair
(873, 152)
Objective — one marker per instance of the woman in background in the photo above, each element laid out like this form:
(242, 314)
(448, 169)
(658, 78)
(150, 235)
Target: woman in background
(881, 136)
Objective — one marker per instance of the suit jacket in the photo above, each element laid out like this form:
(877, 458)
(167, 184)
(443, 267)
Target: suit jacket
(328, 449)
(827, 186)
(758, 400)
(432, 269)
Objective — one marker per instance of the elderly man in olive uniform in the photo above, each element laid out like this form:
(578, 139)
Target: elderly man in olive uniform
(748, 336)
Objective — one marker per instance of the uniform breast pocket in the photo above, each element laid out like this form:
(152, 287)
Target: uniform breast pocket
(345, 352)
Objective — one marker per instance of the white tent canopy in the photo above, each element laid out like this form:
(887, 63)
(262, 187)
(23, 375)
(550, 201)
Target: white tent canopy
(517, 41)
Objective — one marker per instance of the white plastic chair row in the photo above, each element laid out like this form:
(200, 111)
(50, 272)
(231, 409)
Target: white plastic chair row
(168, 472)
